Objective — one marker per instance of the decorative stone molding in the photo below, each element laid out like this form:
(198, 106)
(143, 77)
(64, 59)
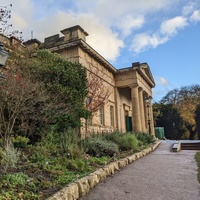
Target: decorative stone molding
(82, 186)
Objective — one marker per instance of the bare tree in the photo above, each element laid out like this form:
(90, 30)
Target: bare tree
(99, 90)
(19, 96)
(5, 15)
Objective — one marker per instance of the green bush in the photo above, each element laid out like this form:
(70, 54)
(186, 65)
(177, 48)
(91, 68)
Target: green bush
(79, 165)
(144, 138)
(16, 179)
(39, 153)
(9, 157)
(67, 138)
(126, 141)
(75, 151)
(95, 161)
(20, 141)
(65, 179)
(100, 147)
(20, 181)
(197, 157)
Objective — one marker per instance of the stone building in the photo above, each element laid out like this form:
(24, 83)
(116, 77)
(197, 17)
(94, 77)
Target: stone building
(126, 108)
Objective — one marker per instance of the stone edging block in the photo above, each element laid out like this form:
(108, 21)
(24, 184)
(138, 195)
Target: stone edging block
(176, 146)
(83, 185)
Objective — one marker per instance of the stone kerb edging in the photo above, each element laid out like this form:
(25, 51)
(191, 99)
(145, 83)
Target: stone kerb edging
(83, 185)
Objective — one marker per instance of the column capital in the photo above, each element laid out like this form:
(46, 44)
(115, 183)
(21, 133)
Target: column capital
(140, 89)
(133, 85)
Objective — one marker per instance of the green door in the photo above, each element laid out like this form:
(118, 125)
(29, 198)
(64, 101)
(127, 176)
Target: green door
(128, 123)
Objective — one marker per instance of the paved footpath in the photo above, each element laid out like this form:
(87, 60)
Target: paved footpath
(161, 175)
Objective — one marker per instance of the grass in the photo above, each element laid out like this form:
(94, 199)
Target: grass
(197, 156)
(42, 169)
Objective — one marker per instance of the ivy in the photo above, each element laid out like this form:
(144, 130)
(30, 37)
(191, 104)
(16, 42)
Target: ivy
(66, 82)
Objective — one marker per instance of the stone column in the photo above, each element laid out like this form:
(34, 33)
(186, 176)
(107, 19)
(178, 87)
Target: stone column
(117, 109)
(136, 119)
(152, 121)
(142, 111)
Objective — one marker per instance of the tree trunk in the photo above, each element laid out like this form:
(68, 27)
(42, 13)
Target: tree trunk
(192, 134)
(190, 129)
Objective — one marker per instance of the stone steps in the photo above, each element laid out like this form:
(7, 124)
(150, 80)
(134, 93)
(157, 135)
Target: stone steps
(190, 146)
(177, 146)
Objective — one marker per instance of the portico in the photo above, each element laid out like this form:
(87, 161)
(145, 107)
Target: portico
(139, 80)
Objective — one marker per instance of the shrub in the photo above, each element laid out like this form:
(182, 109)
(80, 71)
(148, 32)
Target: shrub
(16, 179)
(9, 157)
(144, 138)
(95, 161)
(68, 137)
(126, 141)
(39, 153)
(20, 181)
(74, 151)
(100, 147)
(197, 157)
(79, 165)
(20, 141)
(65, 179)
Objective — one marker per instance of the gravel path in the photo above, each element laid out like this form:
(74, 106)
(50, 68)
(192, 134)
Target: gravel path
(161, 175)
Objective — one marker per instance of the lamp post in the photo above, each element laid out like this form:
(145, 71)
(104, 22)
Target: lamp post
(3, 57)
(148, 103)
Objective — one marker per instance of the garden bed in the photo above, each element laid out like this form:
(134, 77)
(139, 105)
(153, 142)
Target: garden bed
(39, 171)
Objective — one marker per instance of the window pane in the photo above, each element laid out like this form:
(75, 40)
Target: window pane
(111, 115)
(102, 116)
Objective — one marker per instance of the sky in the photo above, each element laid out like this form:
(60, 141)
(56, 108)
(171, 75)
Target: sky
(163, 33)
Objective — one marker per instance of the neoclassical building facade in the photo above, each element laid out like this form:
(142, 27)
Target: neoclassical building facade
(126, 108)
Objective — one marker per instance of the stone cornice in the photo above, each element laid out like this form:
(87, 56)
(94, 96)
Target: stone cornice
(86, 48)
(142, 69)
(145, 72)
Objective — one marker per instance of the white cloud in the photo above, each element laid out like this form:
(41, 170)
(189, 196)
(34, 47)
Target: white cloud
(143, 41)
(162, 81)
(101, 38)
(19, 22)
(195, 16)
(105, 42)
(128, 23)
(188, 9)
(171, 26)
(116, 9)
(109, 23)
(168, 28)
(21, 14)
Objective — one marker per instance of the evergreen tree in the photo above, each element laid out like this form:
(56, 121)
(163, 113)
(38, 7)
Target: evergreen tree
(169, 117)
(197, 119)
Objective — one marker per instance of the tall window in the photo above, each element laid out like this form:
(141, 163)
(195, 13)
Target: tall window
(111, 115)
(101, 115)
